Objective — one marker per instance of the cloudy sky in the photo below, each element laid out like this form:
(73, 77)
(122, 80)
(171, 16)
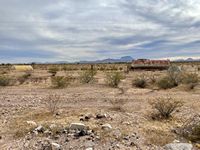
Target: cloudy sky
(72, 30)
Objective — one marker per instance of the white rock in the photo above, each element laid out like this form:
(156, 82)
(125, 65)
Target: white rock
(55, 146)
(77, 126)
(106, 127)
(178, 146)
(33, 123)
(39, 128)
(90, 148)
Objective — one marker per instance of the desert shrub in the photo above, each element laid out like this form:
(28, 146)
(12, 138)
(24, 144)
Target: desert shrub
(191, 129)
(60, 81)
(140, 82)
(113, 78)
(166, 83)
(24, 77)
(53, 70)
(87, 76)
(4, 81)
(190, 79)
(165, 107)
(174, 74)
(52, 103)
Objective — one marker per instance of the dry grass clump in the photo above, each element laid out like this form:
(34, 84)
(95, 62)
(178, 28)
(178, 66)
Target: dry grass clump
(191, 129)
(118, 105)
(140, 82)
(165, 107)
(52, 103)
(159, 137)
(53, 70)
(190, 79)
(4, 80)
(61, 81)
(87, 76)
(113, 78)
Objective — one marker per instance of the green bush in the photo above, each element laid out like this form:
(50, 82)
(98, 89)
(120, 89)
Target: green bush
(165, 107)
(140, 83)
(166, 83)
(53, 70)
(114, 78)
(4, 81)
(60, 81)
(87, 76)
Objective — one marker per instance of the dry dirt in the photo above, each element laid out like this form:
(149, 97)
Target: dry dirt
(132, 126)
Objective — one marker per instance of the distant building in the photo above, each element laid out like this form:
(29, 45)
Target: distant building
(22, 67)
(147, 64)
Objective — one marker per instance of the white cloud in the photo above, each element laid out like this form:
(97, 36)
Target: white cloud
(94, 29)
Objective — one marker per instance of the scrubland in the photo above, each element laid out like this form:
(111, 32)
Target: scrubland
(112, 107)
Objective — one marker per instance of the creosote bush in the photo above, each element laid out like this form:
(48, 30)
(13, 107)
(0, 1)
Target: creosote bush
(87, 76)
(4, 80)
(166, 83)
(172, 79)
(53, 70)
(52, 103)
(165, 107)
(140, 82)
(113, 78)
(61, 81)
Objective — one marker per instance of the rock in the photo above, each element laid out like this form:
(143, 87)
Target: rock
(32, 123)
(107, 127)
(39, 129)
(77, 126)
(86, 117)
(178, 146)
(90, 148)
(101, 116)
(55, 146)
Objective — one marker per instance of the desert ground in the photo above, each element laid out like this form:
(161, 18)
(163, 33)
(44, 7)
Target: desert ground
(113, 118)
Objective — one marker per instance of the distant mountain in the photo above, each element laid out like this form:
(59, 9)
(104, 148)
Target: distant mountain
(187, 60)
(110, 60)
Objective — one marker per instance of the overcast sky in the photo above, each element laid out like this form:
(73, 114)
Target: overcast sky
(72, 30)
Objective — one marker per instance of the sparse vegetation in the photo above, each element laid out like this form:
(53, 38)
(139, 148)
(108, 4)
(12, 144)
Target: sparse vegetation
(24, 77)
(53, 70)
(4, 80)
(87, 76)
(166, 83)
(113, 78)
(140, 82)
(52, 103)
(165, 107)
(61, 81)
(190, 79)
(191, 129)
